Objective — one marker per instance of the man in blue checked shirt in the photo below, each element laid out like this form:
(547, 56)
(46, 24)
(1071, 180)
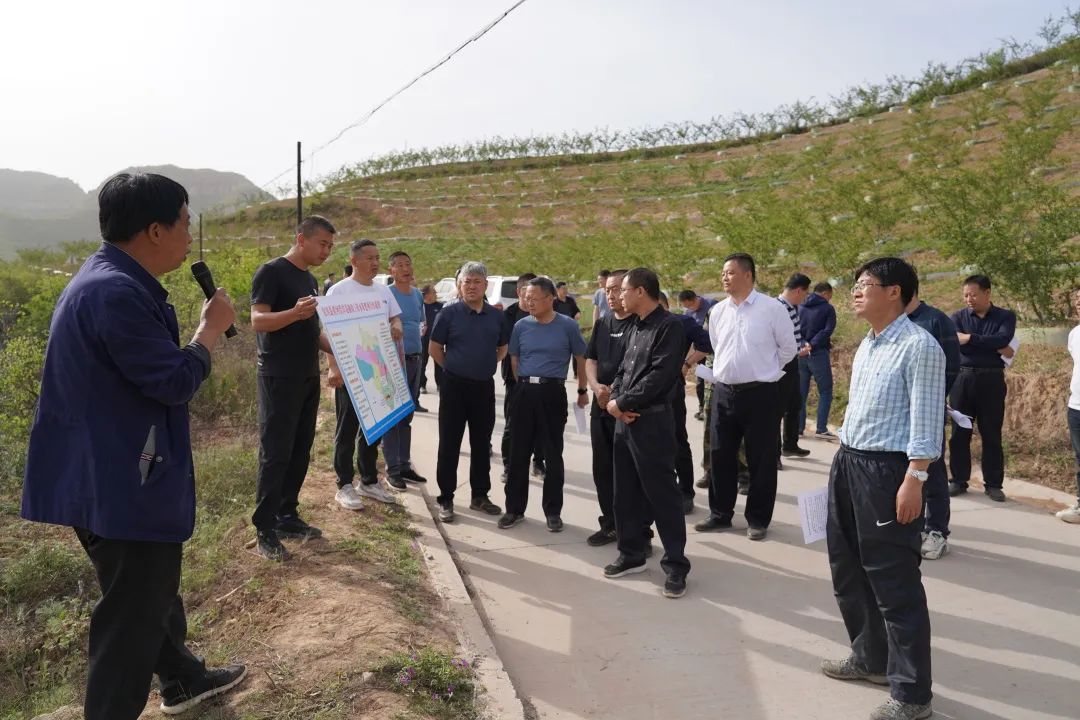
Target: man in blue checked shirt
(892, 431)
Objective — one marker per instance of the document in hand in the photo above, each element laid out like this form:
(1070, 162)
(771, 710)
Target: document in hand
(579, 417)
(814, 512)
(960, 419)
(704, 373)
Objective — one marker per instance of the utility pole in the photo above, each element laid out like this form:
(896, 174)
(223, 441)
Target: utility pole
(299, 189)
(200, 238)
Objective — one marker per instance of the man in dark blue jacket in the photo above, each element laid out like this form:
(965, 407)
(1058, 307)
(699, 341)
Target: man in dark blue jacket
(110, 449)
(817, 318)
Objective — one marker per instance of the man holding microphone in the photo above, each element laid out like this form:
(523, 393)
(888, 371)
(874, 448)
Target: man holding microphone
(110, 447)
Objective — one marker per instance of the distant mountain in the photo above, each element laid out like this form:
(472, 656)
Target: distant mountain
(38, 210)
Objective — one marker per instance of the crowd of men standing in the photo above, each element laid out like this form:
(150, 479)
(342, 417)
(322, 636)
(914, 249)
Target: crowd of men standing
(114, 350)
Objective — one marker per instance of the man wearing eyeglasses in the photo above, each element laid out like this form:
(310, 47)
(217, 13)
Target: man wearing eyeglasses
(892, 431)
(753, 338)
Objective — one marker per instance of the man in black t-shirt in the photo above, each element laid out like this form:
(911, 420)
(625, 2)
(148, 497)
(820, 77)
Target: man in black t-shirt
(283, 300)
(565, 304)
(602, 360)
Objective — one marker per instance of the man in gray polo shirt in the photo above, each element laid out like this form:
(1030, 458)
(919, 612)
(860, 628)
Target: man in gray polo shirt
(541, 347)
(468, 341)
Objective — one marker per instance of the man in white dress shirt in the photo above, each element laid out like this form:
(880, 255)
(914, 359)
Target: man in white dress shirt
(753, 338)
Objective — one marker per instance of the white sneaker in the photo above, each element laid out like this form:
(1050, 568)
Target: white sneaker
(348, 498)
(1070, 515)
(935, 545)
(375, 491)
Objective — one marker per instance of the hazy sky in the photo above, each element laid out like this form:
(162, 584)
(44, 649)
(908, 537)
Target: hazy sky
(91, 87)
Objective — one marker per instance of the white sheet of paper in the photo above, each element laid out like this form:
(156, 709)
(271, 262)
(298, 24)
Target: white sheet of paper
(814, 511)
(579, 416)
(960, 418)
(703, 372)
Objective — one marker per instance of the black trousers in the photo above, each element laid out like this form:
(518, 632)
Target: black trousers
(684, 457)
(288, 407)
(936, 490)
(349, 440)
(504, 448)
(602, 432)
(646, 489)
(979, 394)
(875, 571)
(700, 390)
(137, 628)
(790, 404)
(537, 415)
(1074, 437)
(464, 402)
(740, 414)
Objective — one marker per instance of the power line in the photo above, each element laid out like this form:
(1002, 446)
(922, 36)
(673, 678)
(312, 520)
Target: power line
(368, 115)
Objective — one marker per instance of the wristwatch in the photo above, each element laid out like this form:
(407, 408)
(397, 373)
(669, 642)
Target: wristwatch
(582, 391)
(920, 475)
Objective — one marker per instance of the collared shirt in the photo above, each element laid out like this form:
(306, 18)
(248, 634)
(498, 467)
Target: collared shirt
(988, 335)
(1074, 352)
(470, 339)
(512, 314)
(411, 304)
(752, 341)
(110, 448)
(652, 365)
(431, 311)
(793, 313)
(897, 393)
(938, 324)
(545, 349)
(699, 315)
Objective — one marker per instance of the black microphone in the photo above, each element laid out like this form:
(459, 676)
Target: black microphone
(202, 275)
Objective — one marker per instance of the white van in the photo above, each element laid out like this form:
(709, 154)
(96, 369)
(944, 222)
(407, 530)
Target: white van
(501, 290)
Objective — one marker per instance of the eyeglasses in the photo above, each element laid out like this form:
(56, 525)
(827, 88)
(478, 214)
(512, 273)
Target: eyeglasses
(861, 286)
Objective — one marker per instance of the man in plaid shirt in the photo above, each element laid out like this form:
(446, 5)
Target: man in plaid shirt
(892, 431)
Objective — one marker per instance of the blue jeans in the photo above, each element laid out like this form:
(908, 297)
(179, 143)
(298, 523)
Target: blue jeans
(397, 442)
(819, 366)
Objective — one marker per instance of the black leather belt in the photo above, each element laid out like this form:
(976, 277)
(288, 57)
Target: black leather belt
(540, 380)
(653, 409)
(413, 356)
(739, 387)
(980, 370)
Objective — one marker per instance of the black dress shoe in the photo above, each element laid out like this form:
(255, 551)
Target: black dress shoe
(554, 523)
(687, 505)
(795, 451)
(624, 566)
(956, 488)
(412, 476)
(713, 523)
(419, 408)
(396, 481)
(995, 494)
(484, 505)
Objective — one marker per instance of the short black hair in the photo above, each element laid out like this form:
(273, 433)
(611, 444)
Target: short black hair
(745, 261)
(822, 287)
(643, 277)
(396, 254)
(426, 289)
(663, 298)
(981, 280)
(603, 273)
(892, 271)
(359, 245)
(544, 284)
(348, 270)
(560, 284)
(315, 222)
(797, 281)
(687, 295)
(129, 203)
(330, 274)
(524, 278)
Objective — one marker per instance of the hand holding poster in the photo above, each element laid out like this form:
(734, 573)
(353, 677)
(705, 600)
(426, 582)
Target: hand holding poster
(369, 360)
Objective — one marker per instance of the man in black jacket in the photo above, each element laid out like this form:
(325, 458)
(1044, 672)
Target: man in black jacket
(644, 452)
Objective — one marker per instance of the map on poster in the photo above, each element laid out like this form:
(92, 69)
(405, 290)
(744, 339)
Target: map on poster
(370, 361)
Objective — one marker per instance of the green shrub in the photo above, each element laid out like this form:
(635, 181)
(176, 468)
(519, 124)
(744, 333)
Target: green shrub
(44, 570)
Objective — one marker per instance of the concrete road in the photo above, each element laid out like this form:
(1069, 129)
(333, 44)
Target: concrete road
(746, 640)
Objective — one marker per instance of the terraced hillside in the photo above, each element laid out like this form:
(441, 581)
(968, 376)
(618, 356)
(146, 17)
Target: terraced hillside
(820, 198)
